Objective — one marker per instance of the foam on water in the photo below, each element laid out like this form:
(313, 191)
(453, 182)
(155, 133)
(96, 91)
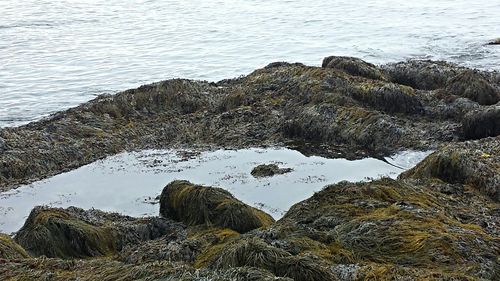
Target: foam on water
(129, 182)
(57, 54)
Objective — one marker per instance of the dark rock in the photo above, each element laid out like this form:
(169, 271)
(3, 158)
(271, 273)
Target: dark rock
(494, 42)
(469, 84)
(76, 233)
(353, 66)
(210, 206)
(481, 123)
(269, 170)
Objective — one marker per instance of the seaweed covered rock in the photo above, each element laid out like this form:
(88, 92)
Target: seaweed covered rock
(336, 107)
(354, 66)
(476, 163)
(203, 205)
(268, 170)
(469, 84)
(109, 270)
(482, 123)
(76, 233)
(388, 97)
(411, 228)
(256, 253)
(363, 130)
(9, 249)
(421, 74)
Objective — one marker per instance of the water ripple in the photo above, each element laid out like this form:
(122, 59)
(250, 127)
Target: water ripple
(57, 54)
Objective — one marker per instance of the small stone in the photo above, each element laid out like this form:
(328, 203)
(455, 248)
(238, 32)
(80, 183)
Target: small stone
(494, 42)
(269, 170)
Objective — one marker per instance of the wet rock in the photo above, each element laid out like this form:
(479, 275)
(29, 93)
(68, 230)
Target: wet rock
(353, 66)
(202, 205)
(9, 249)
(76, 233)
(481, 123)
(421, 74)
(469, 84)
(269, 170)
(476, 163)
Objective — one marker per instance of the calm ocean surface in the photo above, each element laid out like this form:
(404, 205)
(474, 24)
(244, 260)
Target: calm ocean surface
(57, 54)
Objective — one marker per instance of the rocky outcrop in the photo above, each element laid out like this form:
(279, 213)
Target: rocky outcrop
(437, 221)
(346, 107)
(268, 170)
(76, 233)
(210, 206)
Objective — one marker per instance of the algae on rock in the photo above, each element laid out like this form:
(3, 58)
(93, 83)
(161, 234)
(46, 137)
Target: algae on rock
(203, 205)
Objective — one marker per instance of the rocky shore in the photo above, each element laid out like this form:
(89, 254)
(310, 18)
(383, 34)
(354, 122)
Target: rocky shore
(437, 221)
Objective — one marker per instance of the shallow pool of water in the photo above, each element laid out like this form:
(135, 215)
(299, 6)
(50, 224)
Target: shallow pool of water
(129, 182)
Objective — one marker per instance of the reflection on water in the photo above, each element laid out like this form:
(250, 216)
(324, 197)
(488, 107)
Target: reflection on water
(129, 182)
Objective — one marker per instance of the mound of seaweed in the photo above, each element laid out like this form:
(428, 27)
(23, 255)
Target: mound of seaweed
(211, 206)
(347, 108)
(76, 233)
(437, 221)
(475, 163)
(9, 249)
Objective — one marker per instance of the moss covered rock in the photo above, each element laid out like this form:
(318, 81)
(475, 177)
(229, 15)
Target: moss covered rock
(202, 205)
(76, 233)
(9, 249)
